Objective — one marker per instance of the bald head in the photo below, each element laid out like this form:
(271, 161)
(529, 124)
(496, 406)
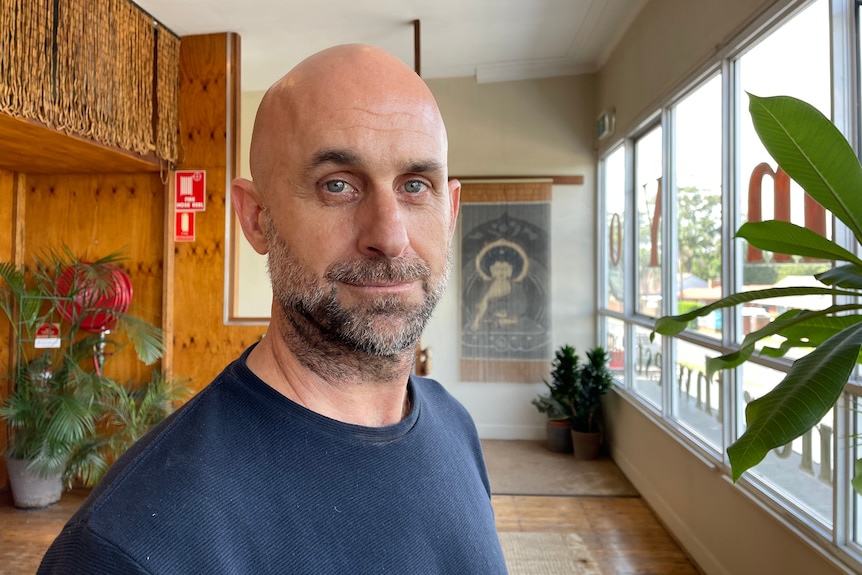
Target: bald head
(334, 85)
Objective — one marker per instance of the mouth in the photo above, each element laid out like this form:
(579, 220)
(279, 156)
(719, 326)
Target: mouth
(389, 276)
(382, 290)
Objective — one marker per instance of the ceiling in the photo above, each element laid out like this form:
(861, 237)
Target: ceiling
(491, 40)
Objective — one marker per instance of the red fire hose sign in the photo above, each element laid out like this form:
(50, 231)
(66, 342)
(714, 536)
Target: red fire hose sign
(191, 190)
(184, 228)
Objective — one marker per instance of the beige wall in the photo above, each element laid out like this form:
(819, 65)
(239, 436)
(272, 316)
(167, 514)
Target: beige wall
(667, 42)
(720, 526)
(535, 127)
(519, 128)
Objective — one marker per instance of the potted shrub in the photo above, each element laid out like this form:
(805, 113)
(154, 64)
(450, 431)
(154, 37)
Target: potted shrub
(68, 317)
(556, 403)
(593, 380)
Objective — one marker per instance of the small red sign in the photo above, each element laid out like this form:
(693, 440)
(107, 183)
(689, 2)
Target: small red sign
(184, 229)
(190, 190)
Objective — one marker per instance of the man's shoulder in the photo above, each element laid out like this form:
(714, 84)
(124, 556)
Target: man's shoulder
(437, 400)
(168, 473)
(160, 469)
(434, 393)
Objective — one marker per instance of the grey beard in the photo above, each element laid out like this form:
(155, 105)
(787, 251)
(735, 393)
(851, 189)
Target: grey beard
(375, 339)
(341, 343)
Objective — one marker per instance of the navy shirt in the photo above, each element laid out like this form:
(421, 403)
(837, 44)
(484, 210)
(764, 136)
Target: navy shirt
(242, 480)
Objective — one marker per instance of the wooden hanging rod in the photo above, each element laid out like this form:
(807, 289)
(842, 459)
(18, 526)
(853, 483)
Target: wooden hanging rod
(556, 180)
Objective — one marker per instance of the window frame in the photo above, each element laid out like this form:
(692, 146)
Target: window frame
(846, 99)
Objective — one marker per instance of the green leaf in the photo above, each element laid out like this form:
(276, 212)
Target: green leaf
(145, 337)
(808, 146)
(846, 276)
(817, 328)
(727, 360)
(810, 389)
(856, 482)
(786, 325)
(674, 324)
(787, 238)
(71, 421)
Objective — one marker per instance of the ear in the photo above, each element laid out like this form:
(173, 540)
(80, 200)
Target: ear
(455, 200)
(249, 211)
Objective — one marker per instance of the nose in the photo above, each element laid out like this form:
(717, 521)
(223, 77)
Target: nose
(382, 224)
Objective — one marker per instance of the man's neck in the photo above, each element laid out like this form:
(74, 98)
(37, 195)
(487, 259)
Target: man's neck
(356, 398)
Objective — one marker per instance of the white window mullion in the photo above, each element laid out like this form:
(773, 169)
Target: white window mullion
(669, 260)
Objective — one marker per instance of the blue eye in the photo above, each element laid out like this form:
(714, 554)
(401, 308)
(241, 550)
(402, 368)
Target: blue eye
(414, 186)
(335, 186)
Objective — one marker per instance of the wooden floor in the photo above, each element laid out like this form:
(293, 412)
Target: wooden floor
(621, 534)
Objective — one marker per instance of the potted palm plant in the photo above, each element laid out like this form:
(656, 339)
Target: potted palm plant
(132, 410)
(594, 380)
(556, 402)
(65, 314)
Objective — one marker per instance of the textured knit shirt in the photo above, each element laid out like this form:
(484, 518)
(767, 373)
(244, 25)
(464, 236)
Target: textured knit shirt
(241, 480)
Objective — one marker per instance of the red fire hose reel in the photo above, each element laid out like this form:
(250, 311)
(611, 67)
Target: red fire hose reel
(93, 295)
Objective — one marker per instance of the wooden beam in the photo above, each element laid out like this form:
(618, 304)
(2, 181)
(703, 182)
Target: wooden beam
(417, 47)
(30, 147)
(556, 180)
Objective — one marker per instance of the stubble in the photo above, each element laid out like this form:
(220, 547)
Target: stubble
(374, 338)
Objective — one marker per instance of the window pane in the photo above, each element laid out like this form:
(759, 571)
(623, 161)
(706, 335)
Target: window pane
(699, 401)
(615, 211)
(648, 194)
(648, 366)
(616, 347)
(782, 65)
(802, 470)
(697, 169)
(856, 451)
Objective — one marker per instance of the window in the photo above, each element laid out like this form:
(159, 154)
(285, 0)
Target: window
(801, 472)
(648, 195)
(699, 402)
(780, 65)
(648, 365)
(695, 177)
(615, 225)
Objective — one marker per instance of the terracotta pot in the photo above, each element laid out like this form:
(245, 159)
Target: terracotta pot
(585, 445)
(30, 490)
(559, 436)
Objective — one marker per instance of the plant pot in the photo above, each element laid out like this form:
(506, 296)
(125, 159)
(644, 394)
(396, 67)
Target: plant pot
(559, 436)
(586, 445)
(29, 489)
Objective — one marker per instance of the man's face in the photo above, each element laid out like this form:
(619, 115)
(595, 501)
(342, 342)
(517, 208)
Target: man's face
(384, 325)
(358, 224)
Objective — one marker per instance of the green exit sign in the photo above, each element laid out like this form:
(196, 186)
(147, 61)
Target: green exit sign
(605, 124)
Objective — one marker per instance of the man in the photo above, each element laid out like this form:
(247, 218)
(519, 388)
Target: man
(317, 452)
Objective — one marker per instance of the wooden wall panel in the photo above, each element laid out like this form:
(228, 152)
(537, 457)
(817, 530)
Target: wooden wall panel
(8, 185)
(95, 215)
(209, 140)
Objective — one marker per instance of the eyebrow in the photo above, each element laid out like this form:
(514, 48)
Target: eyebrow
(348, 158)
(333, 156)
(426, 167)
